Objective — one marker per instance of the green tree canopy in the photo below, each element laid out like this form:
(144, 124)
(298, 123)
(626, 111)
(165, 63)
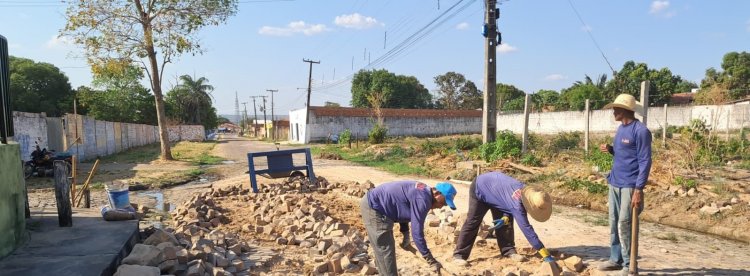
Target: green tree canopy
(574, 98)
(456, 92)
(118, 96)
(398, 91)
(507, 93)
(153, 32)
(190, 102)
(663, 83)
(545, 99)
(735, 76)
(39, 87)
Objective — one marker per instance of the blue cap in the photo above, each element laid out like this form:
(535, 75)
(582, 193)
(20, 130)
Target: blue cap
(448, 191)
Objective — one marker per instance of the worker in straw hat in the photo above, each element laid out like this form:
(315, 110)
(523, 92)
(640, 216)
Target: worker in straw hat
(402, 201)
(509, 200)
(631, 165)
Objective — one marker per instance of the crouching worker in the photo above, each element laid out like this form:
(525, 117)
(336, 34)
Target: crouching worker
(401, 201)
(509, 200)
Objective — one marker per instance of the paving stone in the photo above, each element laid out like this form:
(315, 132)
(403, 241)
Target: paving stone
(168, 266)
(549, 269)
(137, 270)
(369, 269)
(142, 254)
(575, 263)
(160, 236)
(182, 255)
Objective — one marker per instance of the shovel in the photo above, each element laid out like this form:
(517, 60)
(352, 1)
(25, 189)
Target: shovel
(634, 244)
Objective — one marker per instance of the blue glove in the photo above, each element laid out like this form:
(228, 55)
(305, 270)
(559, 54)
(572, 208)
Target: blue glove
(549, 259)
(499, 223)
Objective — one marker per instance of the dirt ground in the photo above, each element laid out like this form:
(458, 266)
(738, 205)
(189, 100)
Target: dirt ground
(571, 231)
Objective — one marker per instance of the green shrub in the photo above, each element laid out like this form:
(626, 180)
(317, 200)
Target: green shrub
(506, 145)
(590, 187)
(686, 183)
(428, 147)
(377, 134)
(345, 137)
(530, 160)
(467, 143)
(566, 140)
(603, 160)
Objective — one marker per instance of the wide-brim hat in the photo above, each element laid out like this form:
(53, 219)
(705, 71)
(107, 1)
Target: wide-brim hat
(625, 101)
(538, 204)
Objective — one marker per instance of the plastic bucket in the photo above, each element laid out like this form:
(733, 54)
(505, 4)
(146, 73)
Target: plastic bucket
(118, 195)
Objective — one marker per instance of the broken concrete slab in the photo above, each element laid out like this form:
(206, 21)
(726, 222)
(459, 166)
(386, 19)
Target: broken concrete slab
(142, 254)
(137, 270)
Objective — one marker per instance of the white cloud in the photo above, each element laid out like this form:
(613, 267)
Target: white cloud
(58, 41)
(555, 77)
(659, 6)
(462, 26)
(506, 48)
(292, 28)
(356, 21)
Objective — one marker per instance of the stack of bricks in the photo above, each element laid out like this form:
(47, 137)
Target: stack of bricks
(291, 217)
(354, 189)
(194, 247)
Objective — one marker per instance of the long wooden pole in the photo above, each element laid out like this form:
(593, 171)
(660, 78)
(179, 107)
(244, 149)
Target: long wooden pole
(73, 174)
(634, 243)
(86, 184)
(62, 194)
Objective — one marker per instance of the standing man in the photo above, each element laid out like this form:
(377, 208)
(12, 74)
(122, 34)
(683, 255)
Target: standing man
(632, 163)
(402, 201)
(508, 200)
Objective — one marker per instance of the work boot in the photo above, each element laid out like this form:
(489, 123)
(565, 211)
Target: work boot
(609, 265)
(517, 257)
(625, 271)
(459, 261)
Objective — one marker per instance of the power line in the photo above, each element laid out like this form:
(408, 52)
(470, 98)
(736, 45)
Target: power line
(588, 31)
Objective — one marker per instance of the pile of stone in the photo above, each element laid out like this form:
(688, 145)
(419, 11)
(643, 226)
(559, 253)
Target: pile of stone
(297, 219)
(194, 247)
(719, 207)
(354, 189)
(297, 184)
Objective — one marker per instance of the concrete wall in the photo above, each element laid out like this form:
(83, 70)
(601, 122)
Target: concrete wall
(717, 117)
(186, 133)
(12, 199)
(321, 127)
(29, 128)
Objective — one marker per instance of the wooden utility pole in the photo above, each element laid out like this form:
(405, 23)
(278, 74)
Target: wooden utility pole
(309, 88)
(265, 121)
(489, 116)
(273, 118)
(255, 120)
(244, 118)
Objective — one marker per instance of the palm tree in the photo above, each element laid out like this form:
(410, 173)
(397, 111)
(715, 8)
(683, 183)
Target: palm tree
(198, 95)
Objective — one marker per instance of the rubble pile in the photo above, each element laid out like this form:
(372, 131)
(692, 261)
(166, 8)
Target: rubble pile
(194, 247)
(289, 216)
(354, 189)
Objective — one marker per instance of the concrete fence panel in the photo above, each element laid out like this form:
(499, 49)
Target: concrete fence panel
(30, 129)
(110, 137)
(118, 136)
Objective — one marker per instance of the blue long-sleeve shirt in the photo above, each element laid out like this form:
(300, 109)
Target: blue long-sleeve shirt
(632, 156)
(503, 193)
(404, 201)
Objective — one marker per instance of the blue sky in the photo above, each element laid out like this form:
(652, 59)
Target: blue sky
(545, 46)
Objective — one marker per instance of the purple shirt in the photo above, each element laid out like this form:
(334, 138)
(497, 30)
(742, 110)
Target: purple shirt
(503, 193)
(632, 156)
(404, 201)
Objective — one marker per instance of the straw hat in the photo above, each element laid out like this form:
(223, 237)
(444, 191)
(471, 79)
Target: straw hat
(538, 204)
(625, 101)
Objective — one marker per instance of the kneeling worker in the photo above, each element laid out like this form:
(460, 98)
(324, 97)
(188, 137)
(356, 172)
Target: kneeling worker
(401, 201)
(508, 200)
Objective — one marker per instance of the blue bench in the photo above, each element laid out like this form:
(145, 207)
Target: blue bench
(280, 165)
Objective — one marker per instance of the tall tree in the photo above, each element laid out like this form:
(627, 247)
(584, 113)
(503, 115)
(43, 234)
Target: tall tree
(574, 98)
(145, 31)
(663, 83)
(546, 99)
(507, 93)
(190, 102)
(398, 91)
(456, 92)
(118, 96)
(39, 87)
(735, 76)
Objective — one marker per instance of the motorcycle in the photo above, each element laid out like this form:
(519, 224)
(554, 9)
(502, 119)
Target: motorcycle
(42, 162)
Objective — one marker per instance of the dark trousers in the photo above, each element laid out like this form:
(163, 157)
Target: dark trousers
(468, 234)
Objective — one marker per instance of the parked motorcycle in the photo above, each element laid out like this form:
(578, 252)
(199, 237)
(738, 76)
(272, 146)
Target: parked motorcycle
(42, 162)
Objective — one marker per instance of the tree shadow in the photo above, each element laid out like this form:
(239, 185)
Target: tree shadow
(694, 271)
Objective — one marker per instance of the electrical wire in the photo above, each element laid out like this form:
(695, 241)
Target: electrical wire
(588, 31)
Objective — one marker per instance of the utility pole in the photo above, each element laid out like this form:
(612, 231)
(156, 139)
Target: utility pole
(236, 107)
(265, 121)
(309, 89)
(489, 116)
(244, 118)
(255, 121)
(273, 118)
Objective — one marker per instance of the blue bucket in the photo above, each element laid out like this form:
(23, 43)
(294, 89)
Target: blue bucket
(118, 196)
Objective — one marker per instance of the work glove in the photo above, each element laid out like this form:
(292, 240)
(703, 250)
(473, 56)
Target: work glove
(499, 223)
(546, 256)
(434, 264)
(406, 241)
